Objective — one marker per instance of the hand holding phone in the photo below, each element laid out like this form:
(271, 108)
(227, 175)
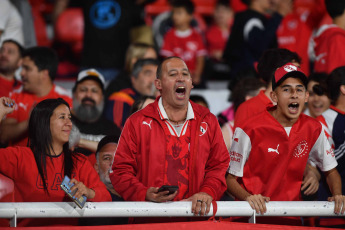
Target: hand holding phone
(66, 186)
(170, 188)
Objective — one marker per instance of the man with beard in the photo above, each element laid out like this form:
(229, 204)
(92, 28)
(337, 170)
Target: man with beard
(105, 156)
(39, 66)
(11, 53)
(89, 127)
(119, 104)
(173, 142)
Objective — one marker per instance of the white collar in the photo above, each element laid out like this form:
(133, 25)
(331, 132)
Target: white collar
(183, 34)
(163, 115)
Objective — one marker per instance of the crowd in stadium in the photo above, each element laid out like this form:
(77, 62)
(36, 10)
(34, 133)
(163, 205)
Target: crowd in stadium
(129, 129)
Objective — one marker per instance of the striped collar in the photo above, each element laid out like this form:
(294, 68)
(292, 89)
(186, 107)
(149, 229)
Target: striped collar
(163, 115)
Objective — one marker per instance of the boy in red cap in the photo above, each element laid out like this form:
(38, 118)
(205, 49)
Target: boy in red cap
(270, 151)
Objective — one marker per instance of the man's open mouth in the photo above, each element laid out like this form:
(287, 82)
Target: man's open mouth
(293, 107)
(180, 91)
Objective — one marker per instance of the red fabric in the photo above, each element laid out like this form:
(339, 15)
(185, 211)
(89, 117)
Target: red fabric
(177, 164)
(329, 49)
(209, 225)
(251, 107)
(216, 39)
(282, 182)
(25, 103)
(6, 86)
(18, 163)
(188, 48)
(294, 34)
(140, 156)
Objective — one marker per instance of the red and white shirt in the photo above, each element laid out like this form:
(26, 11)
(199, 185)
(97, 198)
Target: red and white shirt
(187, 45)
(329, 48)
(270, 159)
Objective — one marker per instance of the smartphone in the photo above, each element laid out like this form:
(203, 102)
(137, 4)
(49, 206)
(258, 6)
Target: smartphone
(170, 188)
(66, 187)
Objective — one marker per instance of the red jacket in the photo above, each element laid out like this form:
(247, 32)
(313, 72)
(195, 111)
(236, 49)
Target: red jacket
(140, 156)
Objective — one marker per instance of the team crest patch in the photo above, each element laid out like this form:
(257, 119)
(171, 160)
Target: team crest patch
(203, 128)
(301, 149)
(289, 68)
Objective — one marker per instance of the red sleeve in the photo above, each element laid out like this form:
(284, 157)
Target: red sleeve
(214, 182)
(241, 114)
(89, 176)
(336, 53)
(125, 166)
(10, 161)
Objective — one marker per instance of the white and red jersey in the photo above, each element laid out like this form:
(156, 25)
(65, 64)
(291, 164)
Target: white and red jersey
(26, 101)
(329, 48)
(187, 45)
(270, 159)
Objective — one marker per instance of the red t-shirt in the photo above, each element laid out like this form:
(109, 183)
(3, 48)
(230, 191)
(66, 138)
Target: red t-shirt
(25, 102)
(251, 107)
(187, 45)
(7, 86)
(216, 39)
(18, 163)
(294, 34)
(329, 48)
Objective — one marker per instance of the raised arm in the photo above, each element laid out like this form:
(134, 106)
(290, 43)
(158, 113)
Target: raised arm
(6, 106)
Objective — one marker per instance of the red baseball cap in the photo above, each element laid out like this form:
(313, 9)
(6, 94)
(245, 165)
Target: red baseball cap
(286, 71)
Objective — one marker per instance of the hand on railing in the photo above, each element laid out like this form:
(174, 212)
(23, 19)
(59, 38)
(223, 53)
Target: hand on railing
(258, 203)
(339, 203)
(201, 203)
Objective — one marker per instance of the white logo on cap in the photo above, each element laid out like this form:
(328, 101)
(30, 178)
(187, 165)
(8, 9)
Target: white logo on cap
(289, 68)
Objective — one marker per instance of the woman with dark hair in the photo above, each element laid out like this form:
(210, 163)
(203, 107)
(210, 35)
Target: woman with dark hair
(39, 169)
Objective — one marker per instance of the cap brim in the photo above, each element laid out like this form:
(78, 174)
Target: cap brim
(293, 74)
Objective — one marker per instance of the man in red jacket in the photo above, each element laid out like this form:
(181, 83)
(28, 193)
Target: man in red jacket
(172, 142)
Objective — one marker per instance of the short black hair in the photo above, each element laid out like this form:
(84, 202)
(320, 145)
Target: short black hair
(198, 98)
(225, 3)
(334, 81)
(106, 140)
(335, 8)
(320, 88)
(44, 58)
(138, 103)
(272, 59)
(141, 63)
(160, 66)
(19, 46)
(188, 5)
(246, 2)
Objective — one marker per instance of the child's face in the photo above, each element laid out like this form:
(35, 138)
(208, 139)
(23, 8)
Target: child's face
(317, 104)
(290, 97)
(180, 17)
(223, 15)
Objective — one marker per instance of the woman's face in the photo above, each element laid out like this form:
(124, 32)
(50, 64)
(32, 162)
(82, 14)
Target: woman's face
(60, 125)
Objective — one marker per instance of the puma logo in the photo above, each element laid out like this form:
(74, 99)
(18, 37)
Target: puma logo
(22, 105)
(273, 150)
(148, 124)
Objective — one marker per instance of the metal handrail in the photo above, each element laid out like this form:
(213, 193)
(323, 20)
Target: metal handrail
(169, 209)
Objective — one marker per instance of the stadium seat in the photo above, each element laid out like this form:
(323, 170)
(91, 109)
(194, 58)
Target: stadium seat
(69, 28)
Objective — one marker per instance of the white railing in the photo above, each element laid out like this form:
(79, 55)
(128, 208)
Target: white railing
(148, 209)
